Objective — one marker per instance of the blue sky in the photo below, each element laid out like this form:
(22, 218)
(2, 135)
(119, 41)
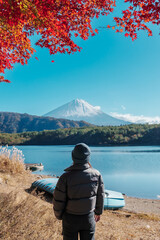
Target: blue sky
(111, 71)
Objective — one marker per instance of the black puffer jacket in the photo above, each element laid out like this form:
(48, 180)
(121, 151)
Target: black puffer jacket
(79, 191)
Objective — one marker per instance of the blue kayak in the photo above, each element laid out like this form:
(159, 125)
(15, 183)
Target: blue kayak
(112, 200)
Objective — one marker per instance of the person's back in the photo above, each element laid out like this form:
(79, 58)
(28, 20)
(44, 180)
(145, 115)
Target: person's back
(79, 195)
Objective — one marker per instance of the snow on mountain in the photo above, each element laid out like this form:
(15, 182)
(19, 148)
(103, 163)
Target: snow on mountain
(76, 108)
(81, 110)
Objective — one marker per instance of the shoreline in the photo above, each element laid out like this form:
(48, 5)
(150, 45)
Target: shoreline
(91, 145)
(132, 204)
(142, 205)
(29, 213)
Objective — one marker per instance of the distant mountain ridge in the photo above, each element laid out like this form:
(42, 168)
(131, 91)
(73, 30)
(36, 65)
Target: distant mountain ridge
(11, 122)
(81, 110)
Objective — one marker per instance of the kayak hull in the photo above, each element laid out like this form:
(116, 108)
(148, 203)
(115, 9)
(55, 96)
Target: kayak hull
(112, 200)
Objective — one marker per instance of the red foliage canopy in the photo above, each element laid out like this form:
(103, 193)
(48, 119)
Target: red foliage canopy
(56, 21)
(137, 15)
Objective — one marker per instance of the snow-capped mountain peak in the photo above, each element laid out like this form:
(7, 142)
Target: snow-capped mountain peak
(79, 109)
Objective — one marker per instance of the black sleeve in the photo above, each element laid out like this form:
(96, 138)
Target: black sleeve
(100, 197)
(60, 197)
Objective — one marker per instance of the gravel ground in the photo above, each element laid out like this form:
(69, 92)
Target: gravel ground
(139, 205)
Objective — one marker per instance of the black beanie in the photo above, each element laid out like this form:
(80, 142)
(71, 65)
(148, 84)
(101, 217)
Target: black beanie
(81, 153)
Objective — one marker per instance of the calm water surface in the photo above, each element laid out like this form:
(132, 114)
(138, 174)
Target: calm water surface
(134, 171)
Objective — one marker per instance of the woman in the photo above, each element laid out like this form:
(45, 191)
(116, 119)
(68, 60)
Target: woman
(79, 196)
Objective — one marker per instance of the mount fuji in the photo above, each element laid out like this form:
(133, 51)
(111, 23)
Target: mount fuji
(81, 110)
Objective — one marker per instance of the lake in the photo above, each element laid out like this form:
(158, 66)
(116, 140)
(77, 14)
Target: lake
(134, 171)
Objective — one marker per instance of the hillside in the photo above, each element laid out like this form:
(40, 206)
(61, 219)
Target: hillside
(129, 135)
(11, 122)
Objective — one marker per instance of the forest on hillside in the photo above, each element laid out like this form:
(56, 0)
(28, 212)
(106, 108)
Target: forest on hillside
(133, 134)
(11, 122)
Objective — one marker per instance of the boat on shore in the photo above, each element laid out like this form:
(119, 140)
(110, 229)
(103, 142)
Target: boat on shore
(112, 200)
(34, 166)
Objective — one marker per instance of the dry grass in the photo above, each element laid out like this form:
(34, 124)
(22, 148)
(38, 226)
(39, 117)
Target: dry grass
(11, 161)
(27, 218)
(149, 217)
(11, 166)
(23, 214)
(28, 215)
